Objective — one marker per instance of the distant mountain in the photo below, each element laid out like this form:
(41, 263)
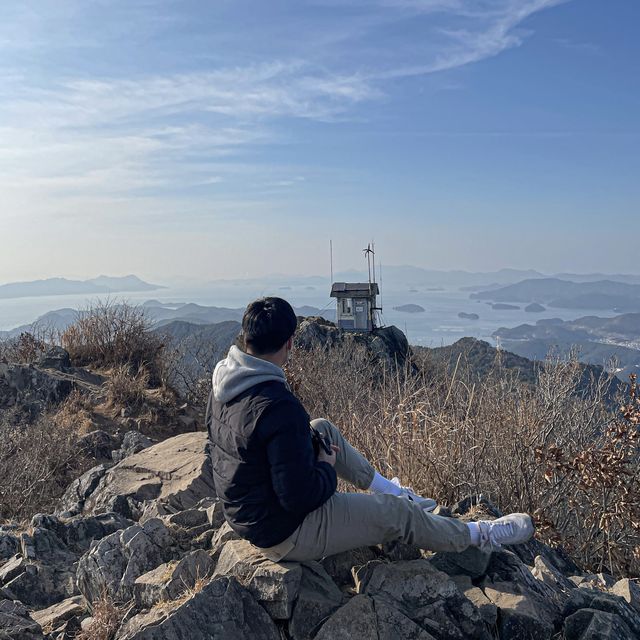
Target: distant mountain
(597, 339)
(51, 321)
(159, 314)
(479, 358)
(564, 294)
(125, 283)
(63, 286)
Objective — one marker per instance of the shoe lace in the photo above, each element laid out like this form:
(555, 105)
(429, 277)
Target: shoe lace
(502, 531)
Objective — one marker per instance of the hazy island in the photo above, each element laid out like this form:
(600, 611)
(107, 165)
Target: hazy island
(534, 307)
(566, 294)
(63, 287)
(468, 316)
(501, 306)
(410, 308)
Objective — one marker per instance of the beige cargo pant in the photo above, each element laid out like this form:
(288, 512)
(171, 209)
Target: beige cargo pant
(350, 520)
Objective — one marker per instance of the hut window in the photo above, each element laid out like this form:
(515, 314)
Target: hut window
(346, 305)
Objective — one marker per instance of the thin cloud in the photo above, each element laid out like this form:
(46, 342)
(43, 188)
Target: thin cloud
(123, 133)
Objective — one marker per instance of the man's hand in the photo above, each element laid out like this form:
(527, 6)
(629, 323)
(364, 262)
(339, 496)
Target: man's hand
(323, 456)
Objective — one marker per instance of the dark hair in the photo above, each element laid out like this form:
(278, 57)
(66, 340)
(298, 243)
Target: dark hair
(267, 324)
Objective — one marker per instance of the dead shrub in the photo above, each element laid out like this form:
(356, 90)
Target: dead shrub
(107, 616)
(75, 413)
(38, 460)
(124, 390)
(109, 334)
(450, 433)
(25, 349)
(597, 487)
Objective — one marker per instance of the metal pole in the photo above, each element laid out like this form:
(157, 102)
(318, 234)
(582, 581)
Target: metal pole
(331, 258)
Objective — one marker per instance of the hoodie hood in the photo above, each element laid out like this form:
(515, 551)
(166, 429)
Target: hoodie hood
(239, 372)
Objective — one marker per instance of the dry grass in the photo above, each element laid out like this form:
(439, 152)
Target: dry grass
(111, 334)
(107, 616)
(126, 390)
(38, 460)
(450, 434)
(26, 348)
(75, 413)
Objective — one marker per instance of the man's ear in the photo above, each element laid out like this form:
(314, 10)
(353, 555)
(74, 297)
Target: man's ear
(290, 343)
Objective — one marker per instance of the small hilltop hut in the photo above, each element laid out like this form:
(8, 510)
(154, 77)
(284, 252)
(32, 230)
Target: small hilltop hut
(356, 305)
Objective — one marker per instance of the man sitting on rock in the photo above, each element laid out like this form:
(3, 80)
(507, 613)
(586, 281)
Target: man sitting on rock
(280, 494)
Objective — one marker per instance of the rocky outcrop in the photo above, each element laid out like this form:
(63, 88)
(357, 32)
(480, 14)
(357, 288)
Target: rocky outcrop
(112, 566)
(31, 388)
(175, 473)
(388, 345)
(274, 585)
(222, 609)
(16, 624)
(180, 572)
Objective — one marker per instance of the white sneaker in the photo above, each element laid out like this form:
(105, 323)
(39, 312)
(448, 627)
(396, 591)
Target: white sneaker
(426, 504)
(515, 528)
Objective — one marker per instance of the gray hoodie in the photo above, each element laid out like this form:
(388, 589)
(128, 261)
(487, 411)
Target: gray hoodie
(239, 372)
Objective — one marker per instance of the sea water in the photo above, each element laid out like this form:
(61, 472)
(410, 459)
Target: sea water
(438, 325)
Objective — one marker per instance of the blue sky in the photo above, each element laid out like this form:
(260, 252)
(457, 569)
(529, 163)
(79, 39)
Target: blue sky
(230, 138)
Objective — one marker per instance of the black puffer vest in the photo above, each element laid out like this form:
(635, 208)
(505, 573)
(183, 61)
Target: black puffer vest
(264, 466)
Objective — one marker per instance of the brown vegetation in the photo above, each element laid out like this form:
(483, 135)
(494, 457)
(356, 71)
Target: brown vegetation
(109, 334)
(450, 434)
(26, 348)
(126, 390)
(107, 616)
(38, 460)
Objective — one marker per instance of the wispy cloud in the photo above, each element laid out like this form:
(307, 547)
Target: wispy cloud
(116, 130)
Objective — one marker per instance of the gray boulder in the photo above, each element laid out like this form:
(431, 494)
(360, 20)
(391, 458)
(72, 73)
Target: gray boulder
(584, 598)
(488, 610)
(274, 584)
(220, 538)
(74, 498)
(222, 610)
(549, 596)
(113, 564)
(9, 545)
(592, 624)
(31, 388)
(362, 618)
(55, 358)
(629, 591)
(521, 616)
(355, 621)
(133, 442)
(80, 532)
(471, 562)
(318, 597)
(170, 580)
(425, 595)
(36, 584)
(393, 624)
(387, 346)
(16, 624)
(341, 565)
(176, 472)
(55, 617)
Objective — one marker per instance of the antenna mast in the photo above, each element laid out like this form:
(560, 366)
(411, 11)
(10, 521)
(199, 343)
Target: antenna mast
(331, 258)
(373, 257)
(368, 251)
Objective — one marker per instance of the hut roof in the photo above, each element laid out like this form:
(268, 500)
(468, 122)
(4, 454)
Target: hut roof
(354, 289)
